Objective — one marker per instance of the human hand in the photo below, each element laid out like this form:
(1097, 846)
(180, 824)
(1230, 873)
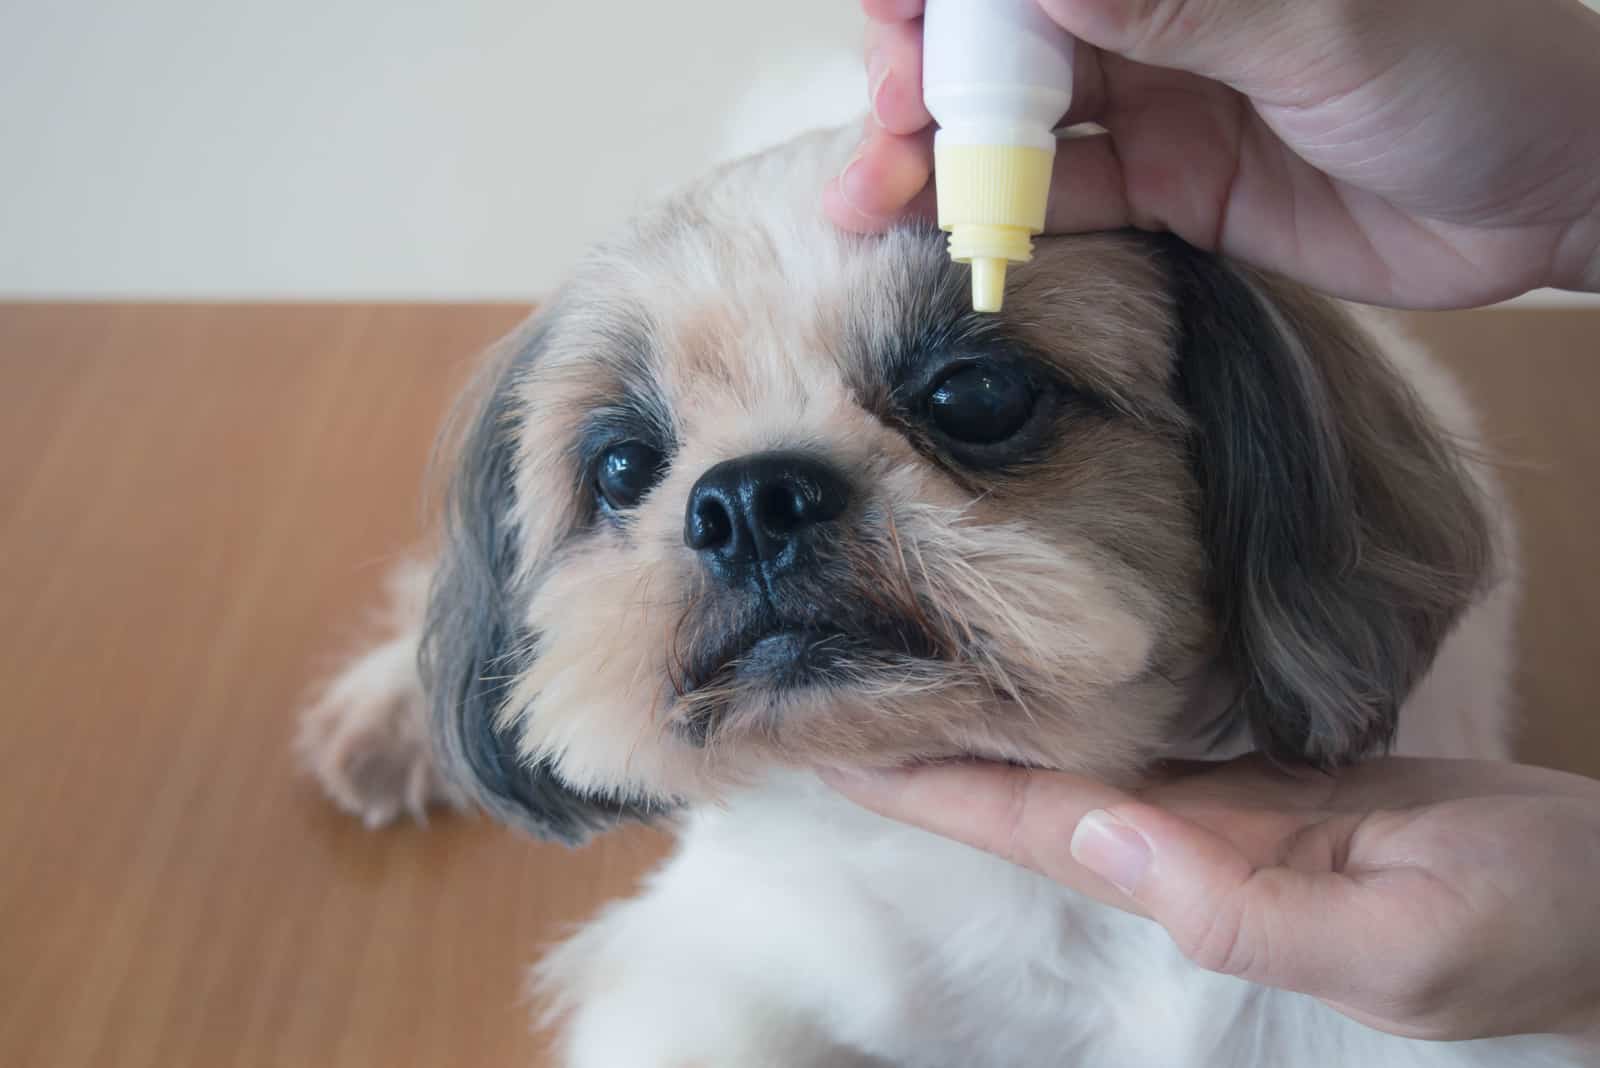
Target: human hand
(1443, 899)
(1422, 153)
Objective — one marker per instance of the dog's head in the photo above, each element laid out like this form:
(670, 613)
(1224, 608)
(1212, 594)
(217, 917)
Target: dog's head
(750, 492)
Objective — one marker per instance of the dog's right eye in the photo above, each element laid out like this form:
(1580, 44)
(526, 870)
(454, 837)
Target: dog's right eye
(627, 471)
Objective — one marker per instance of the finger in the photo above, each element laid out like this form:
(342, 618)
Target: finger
(1290, 926)
(1161, 147)
(1088, 87)
(1019, 814)
(894, 76)
(891, 10)
(1164, 162)
(922, 206)
(880, 182)
(1087, 188)
(1282, 926)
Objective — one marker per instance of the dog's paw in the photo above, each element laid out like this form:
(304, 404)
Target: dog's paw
(365, 739)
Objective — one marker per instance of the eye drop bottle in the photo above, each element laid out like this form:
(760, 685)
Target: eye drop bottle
(997, 77)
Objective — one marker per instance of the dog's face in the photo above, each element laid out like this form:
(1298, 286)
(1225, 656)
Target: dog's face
(751, 492)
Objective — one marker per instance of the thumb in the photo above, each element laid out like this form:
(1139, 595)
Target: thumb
(1274, 925)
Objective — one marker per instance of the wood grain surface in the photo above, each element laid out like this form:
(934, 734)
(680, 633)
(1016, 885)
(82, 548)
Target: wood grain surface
(197, 508)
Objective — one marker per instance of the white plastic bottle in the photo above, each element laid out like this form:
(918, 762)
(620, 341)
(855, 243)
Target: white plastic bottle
(997, 77)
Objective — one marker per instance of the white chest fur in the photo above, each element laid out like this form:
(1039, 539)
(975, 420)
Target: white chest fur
(794, 930)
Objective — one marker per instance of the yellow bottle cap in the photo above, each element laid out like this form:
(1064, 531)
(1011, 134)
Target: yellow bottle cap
(991, 201)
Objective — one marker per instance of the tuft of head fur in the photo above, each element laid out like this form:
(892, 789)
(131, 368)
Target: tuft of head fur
(1222, 478)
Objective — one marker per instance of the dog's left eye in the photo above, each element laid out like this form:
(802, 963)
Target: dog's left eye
(627, 471)
(982, 403)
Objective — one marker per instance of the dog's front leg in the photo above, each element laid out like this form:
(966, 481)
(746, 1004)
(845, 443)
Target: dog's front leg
(365, 737)
(711, 968)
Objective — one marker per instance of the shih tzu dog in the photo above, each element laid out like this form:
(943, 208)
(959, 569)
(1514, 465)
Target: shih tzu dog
(751, 496)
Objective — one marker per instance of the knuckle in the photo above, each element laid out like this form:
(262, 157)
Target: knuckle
(1021, 838)
(1222, 942)
(1151, 30)
(1138, 29)
(1154, 22)
(1018, 799)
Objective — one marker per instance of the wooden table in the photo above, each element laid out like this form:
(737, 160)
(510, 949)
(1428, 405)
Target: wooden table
(197, 504)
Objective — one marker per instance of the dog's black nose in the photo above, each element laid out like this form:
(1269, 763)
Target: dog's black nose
(760, 510)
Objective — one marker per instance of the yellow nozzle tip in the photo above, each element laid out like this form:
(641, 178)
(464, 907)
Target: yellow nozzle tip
(988, 283)
(992, 199)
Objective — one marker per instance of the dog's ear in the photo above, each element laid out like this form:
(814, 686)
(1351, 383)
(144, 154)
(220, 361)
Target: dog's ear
(1343, 532)
(475, 642)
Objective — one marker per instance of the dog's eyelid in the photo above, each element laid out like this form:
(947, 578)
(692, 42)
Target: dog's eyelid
(911, 392)
(612, 425)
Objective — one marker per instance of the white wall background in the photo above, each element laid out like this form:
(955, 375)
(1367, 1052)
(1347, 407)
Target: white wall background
(377, 148)
(387, 148)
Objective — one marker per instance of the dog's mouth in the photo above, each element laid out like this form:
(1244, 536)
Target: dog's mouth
(782, 655)
(793, 656)
(776, 656)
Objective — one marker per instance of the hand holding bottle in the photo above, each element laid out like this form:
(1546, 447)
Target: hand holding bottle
(1430, 153)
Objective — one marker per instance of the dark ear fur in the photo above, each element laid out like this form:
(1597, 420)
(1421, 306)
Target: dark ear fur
(1344, 535)
(474, 642)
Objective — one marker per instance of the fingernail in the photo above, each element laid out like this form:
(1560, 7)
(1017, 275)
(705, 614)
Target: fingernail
(877, 74)
(1111, 849)
(850, 191)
